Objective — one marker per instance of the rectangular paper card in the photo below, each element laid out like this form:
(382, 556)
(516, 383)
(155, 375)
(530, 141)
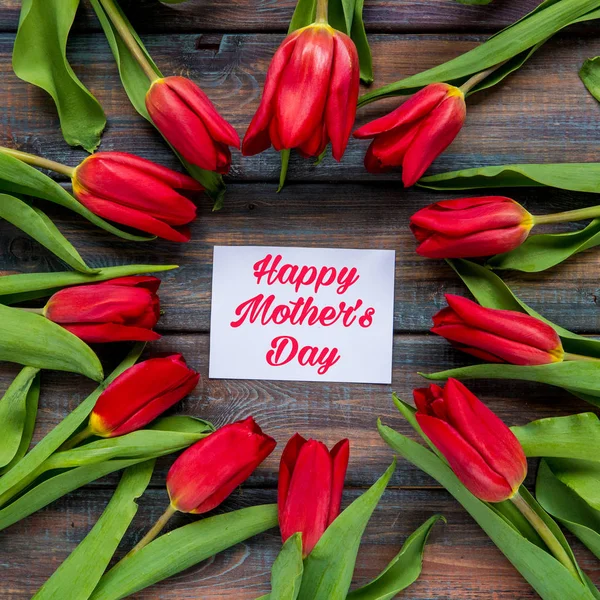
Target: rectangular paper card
(302, 314)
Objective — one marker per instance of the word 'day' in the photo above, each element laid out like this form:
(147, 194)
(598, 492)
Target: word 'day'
(306, 314)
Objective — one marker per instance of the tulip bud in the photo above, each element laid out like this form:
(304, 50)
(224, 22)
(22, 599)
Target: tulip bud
(497, 335)
(140, 394)
(416, 133)
(470, 227)
(311, 482)
(123, 309)
(208, 472)
(138, 193)
(481, 450)
(310, 94)
(190, 122)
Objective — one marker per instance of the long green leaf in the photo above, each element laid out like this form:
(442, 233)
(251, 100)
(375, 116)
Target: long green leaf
(16, 177)
(183, 547)
(137, 84)
(286, 574)
(541, 252)
(537, 27)
(53, 440)
(35, 223)
(79, 574)
(30, 339)
(13, 414)
(590, 75)
(328, 569)
(28, 286)
(403, 570)
(39, 57)
(564, 504)
(544, 573)
(576, 177)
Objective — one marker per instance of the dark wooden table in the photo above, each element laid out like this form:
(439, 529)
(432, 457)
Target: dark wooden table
(540, 114)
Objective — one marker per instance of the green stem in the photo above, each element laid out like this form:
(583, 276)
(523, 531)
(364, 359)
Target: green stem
(581, 214)
(38, 161)
(544, 532)
(478, 78)
(84, 434)
(570, 356)
(129, 40)
(322, 11)
(155, 530)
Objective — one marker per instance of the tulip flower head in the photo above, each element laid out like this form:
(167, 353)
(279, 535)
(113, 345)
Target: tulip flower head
(481, 450)
(416, 133)
(189, 121)
(310, 94)
(138, 193)
(140, 394)
(311, 482)
(497, 335)
(208, 472)
(470, 227)
(123, 309)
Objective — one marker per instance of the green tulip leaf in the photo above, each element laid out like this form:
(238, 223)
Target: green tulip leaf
(182, 548)
(77, 577)
(534, 29)
(39, 57)
(564, 503)
(16, 408)
(30, 286)
(28, 466)
(286, 574)
(328, 569)
(35, 223)
(590, 75)
(490, 291)
(573, 437)
(30, 339)
(541, 252)
(17, 177)
(403, 570)
(550, 579)
(136, 85)
(576, 177)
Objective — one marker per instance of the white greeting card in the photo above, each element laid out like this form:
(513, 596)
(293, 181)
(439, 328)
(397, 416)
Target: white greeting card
(302, 314)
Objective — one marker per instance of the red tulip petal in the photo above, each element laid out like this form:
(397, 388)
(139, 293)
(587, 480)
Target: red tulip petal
(286, 467)
(340, 111)
(219, 129)
(467, 464)
(424, 397)
(315, 144)
(257, 136)
(132, 218)
(372, 163)
(145, 281)
(99, 333)
(485, 432)
(390, 148)
(416, 107)
(340, 455)
(509, 324)
(303, 87)
(436, 132)
(478, 353)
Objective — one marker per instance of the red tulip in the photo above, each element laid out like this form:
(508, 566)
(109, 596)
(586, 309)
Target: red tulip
(207, 472)
(470, 227)
(141, 394)
(123, 309)
(190, 122)
(137, 193)
(416, 133)
(310, 94)
(311, 482)
(497, 335)
(481, 450)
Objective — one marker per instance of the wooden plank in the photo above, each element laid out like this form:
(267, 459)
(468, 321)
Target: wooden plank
(327, 411)
(557, 127)
(460, 561)
(322, 215)
(245, 15)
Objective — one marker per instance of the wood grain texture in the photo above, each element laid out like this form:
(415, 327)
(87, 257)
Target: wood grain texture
(268, 15)
(460, 561)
